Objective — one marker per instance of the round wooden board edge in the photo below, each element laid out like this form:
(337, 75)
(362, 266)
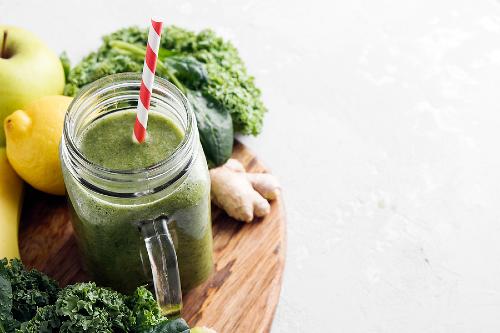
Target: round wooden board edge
(284, 251)
(276, 292)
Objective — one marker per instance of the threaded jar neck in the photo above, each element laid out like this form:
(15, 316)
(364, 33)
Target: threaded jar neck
(120, 92)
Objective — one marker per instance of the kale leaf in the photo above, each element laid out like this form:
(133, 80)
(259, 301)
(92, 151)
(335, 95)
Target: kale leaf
(227, 79)
(5, 296)
(7, 322)
(146, 312)
(22, 292)
(30, 302)
(171, 326)
(84, 305)
(44, 321)
(30, 289)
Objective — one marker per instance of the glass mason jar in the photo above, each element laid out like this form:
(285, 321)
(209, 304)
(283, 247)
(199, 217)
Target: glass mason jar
(108, 206)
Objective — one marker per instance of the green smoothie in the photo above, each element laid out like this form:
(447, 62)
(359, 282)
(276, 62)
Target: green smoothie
(108, 142)
(110, 242)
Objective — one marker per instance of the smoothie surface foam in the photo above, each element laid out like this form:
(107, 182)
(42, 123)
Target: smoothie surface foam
(108, 141)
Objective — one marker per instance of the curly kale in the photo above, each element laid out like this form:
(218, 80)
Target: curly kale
(147, 313)
(7, 322)
(44, 321)
(228, 82)
(22, 292)
(30, 302)
(84, 305)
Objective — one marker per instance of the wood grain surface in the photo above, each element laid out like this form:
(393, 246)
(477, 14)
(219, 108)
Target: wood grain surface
(240, 296)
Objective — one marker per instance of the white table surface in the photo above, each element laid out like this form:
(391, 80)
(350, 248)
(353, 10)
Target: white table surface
(384, 128)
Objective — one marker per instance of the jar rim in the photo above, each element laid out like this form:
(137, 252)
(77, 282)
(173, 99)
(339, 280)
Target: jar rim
(174, 164)
(106, 82)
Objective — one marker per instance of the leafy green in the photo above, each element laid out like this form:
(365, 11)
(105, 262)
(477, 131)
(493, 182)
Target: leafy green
(214, 122)
(5, 297)
(7, 323)
(188, 70)
(30, 302)
(214, 126)
(22, 292)
(147, 313)
(171, 326)
(84, 305)
(30, 289)
(199, 61)
(138, 53)
(44, 321)
(66, 64)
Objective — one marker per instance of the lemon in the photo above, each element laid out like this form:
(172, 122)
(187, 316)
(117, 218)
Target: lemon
(33, 136)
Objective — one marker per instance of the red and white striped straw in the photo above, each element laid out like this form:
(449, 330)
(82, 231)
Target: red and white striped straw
(148, 78)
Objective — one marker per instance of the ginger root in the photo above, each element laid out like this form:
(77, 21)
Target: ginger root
(242, 195)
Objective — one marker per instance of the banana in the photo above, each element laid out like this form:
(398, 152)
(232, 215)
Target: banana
(11, 193)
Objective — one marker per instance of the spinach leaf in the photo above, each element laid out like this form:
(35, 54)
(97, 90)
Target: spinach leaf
(188, 70)
(170, 326)
(215, 127)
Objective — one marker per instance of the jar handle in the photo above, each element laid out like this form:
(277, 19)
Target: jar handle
(164, 267)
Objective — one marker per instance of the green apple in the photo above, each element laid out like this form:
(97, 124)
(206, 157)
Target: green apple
(28, 70)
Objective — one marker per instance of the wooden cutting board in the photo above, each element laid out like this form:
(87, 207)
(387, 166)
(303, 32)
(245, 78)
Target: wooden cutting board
(241, 295)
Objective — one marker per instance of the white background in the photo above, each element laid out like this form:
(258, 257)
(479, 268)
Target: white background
(384, 130)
